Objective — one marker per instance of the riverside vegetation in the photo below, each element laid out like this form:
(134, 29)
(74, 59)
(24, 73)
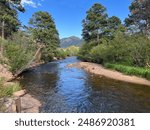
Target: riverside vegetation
(125, 48)
(130, 55)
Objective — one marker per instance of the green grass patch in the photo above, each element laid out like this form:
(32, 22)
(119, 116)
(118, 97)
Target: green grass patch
(137, 71)
(7, 91)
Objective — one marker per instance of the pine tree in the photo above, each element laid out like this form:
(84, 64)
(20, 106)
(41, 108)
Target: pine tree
(139, 19)
(94, 25)
(44, 32)
(113, 25)
(9, 22)
(8, 16)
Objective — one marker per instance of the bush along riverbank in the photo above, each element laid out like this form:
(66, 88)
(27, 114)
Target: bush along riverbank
(65, 52)
(130, 55)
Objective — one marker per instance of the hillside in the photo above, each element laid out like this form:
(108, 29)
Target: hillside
(70, 41)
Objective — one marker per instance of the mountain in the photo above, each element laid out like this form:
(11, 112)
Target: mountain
(70, 41)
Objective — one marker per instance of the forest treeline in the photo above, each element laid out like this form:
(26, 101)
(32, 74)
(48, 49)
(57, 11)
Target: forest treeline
(124, 47)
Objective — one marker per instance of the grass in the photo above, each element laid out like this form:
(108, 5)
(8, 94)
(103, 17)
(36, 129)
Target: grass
(137, 71)
(7, 91)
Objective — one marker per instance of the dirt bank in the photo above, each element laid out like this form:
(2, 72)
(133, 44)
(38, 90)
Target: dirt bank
(100, 70)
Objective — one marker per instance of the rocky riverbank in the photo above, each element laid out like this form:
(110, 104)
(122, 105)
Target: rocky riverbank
(20, 101)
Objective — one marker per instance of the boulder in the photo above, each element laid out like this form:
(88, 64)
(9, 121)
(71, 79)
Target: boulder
(19, 93)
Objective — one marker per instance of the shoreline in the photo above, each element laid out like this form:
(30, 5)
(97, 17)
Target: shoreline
(100, 70)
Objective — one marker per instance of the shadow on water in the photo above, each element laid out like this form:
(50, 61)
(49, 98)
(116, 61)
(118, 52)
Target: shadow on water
(63, 89)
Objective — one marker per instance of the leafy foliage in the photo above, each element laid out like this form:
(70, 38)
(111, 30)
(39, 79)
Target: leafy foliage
(65, 52)
(19, 50)
(122, 49)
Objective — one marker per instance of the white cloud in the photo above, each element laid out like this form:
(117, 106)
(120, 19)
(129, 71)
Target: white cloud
(31, 3)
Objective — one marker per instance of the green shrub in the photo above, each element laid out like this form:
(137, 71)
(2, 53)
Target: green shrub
(123, 49)
(69, 51)
(84, 51)
(19, 51)
(61, 53)
(139, 50)
(72, 50)
(100, 53)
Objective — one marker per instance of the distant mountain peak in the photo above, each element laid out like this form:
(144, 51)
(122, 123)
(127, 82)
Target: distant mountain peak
(74, 37)
(70, 41)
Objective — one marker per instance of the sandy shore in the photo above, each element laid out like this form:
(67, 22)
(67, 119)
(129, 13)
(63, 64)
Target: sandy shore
(100, 70)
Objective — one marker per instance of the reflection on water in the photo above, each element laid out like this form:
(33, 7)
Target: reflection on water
(63, 89)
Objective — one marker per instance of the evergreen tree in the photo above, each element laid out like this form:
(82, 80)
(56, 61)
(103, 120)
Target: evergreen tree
(139, 19)
(8, 16)
(94, 25)
(98, 25)
(113, 25)
(44, 32)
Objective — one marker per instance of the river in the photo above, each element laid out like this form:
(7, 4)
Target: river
(62, 90)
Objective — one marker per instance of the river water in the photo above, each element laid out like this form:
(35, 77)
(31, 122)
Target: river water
(63, 89)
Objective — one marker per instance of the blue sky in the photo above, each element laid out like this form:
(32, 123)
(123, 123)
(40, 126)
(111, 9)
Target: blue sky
(68, 14)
